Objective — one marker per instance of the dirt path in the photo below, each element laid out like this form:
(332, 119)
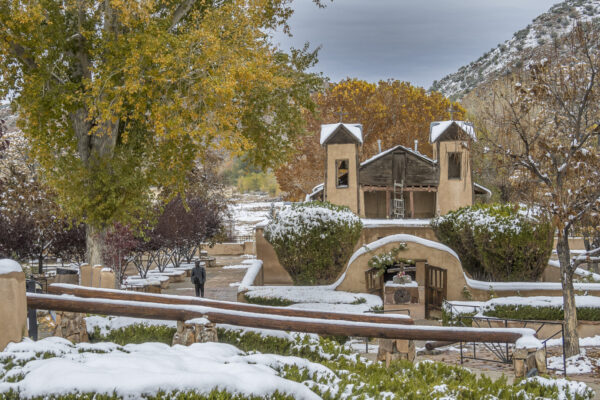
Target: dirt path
(218, 281)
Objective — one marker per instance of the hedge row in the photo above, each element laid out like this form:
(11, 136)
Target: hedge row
(497, 242)
(514, 311)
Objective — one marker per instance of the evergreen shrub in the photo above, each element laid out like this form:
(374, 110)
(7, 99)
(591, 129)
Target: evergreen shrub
(501, 243)
(314, 241)
(517, 311)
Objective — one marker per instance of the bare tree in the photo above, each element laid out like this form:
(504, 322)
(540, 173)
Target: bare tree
(544, 119)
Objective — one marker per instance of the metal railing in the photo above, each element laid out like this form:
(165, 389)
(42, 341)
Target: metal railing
(502, 350)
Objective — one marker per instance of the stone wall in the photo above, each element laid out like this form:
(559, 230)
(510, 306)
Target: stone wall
(198, 330)
(71, 326)
(13, 303)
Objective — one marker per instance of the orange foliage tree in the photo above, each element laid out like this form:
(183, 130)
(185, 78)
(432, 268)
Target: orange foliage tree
(391, 111)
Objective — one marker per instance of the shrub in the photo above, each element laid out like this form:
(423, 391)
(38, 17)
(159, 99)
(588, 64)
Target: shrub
(137, 333)
(314, 241)
(387, 260)
(497, 242)
(516, 311)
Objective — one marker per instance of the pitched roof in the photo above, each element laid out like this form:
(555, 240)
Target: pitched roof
(328, 130)
(437, 129)
(390, 150)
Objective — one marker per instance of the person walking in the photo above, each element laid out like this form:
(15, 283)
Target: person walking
(198, 278)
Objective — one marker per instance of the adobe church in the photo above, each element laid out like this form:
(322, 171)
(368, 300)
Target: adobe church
(400, 182)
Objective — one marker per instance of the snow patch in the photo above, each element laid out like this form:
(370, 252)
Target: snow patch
(8, 266)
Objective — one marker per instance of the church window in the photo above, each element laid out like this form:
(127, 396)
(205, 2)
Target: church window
(341, 173)
(454, 165)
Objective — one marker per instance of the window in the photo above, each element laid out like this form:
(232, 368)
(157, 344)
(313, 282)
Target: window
(454, 165)
(341, 173)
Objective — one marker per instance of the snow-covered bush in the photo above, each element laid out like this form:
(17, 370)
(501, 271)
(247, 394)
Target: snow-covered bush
(497, 242)
(313, 241)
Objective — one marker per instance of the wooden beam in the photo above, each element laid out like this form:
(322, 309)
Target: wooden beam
(265, 321)
(412, 204)
(113, 294)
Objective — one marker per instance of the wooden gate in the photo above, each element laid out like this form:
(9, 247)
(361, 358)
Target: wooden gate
(436, 288)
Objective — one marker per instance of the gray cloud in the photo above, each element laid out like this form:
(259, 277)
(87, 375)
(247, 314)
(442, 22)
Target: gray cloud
(416, 41)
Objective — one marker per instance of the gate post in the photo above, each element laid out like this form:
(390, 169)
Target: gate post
(13, 307)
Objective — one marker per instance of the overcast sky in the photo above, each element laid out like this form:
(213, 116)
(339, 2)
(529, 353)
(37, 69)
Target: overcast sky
(417, 41)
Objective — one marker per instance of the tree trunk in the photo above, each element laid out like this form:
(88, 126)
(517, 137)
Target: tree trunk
(94, 239)
(571, 338)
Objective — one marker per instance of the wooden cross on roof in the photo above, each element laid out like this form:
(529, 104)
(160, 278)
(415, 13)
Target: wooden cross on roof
(452, 110)
(341, 113)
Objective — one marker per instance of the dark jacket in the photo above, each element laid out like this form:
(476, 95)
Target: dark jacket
(198, 275)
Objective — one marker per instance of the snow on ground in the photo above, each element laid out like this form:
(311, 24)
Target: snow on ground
(321, 298)
(566, 389)
(593, 341)
(246, 214)
(147, 368)
(579, 364)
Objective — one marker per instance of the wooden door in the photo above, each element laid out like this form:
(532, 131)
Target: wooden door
(436, 288)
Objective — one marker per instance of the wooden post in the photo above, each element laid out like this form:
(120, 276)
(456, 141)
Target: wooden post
(412, 204)
(388, 201)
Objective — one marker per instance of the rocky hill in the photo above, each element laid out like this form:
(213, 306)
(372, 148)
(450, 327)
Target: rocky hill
(555, 22)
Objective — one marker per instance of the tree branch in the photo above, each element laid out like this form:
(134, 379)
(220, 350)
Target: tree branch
(181, 12)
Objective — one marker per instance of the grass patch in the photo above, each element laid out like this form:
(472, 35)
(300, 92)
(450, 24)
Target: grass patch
(269, 301)
(137, 333)
(359, 300)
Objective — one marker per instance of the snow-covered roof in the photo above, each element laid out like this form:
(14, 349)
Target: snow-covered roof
(328, 129)
(388, 151)
(436, 129)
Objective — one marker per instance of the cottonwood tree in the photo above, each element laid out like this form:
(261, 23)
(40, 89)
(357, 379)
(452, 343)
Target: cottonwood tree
(117, 97)
(391, 111)
(545, 119)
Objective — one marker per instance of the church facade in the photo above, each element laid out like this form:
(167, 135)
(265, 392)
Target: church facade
(400, 182)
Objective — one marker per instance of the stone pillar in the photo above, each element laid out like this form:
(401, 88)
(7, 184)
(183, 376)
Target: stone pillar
(71, 326)
(198, 330)
(395, 349)
(524, 360)
(13, 303)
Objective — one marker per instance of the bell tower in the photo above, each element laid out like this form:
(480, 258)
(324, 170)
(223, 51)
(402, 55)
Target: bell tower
(341, 142)
(451, 142)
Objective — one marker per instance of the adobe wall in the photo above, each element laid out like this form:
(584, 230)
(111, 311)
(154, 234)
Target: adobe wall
(273, 272)
(436, 254)
(13, 304)
(342, 196)
(108, 279)
(372, 233)
(453, 194)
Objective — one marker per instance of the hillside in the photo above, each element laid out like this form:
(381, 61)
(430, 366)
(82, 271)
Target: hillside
(524, 43)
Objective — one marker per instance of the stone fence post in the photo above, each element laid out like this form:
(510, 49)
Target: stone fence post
(13, 304)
